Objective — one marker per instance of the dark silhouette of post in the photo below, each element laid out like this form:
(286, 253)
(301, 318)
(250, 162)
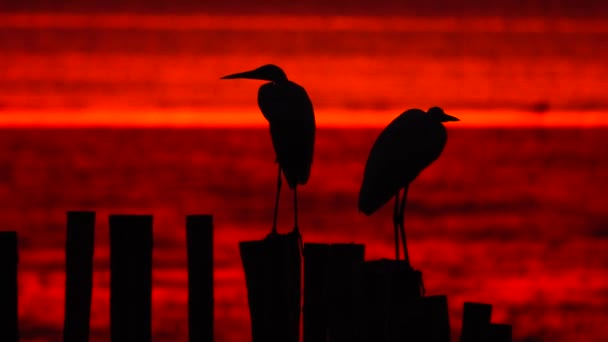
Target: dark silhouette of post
(199, 236)
(390, 289)
(425, 319)
(314, 312)
(331, 285)
(273, 278)
(79, 244)
(499, 333)
(475, 321)
(130, 277)
(9, 322)
(345, 262)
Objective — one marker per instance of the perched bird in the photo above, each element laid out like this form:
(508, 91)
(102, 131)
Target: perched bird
(291, 118)
(409, 144)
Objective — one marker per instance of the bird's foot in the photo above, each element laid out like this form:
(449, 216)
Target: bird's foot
(421, 286)
(296, 231)
(273, 234)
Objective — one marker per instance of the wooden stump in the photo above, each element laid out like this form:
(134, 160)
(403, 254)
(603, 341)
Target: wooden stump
(475, 321)
(79, 245)
(9, 322)
(499, 333)
(315, 321)
(273, 277)
(389, 290)
(199, 236)
(130, 278)
(331, 291)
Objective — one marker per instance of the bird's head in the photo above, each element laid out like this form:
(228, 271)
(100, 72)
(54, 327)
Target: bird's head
(268, 72)
(440, 115)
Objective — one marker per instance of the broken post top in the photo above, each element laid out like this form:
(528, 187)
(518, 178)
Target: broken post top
(8, 247)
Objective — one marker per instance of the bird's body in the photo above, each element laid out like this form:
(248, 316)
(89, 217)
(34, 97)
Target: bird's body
(289, 112)
(409, 144)
(290, 115)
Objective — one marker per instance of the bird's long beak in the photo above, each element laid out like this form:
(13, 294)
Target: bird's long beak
(447, 117)
(252, 74)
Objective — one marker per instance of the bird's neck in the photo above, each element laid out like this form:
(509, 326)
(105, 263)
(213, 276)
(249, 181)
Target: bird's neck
(280, 81)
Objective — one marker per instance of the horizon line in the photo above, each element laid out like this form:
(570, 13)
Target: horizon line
(250, 117)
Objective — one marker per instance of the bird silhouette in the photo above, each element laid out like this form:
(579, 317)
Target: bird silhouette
(291, 118)
(409, 144)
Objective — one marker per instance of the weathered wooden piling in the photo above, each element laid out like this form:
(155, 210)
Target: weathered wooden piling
(199, 236)
(130, 277)
(345, 262)
(425, 319)
(80, 236)
(499, 333)
(314, 312)
(331, 291)
(389, 288)
(9, 322)
(273, 278)
(475, 321)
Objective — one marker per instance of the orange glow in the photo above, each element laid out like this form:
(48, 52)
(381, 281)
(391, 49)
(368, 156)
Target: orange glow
(253, 118)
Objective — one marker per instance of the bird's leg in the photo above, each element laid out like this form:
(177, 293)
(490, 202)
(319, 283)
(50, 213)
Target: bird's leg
(296, 229)
(396, 225)
(276, 203)
(295, 209)
(406, 256)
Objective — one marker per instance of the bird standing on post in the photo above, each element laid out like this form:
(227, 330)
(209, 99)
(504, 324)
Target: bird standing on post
(291, 117)
(409, 144)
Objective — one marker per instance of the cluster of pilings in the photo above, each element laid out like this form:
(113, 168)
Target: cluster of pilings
(348, 299)
(130, 278)
(342, 297)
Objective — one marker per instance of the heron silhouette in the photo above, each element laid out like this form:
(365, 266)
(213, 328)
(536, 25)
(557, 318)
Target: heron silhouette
(291, 118)
(409, 144)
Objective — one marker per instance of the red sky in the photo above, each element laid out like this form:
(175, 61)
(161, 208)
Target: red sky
(170, 63)
(519, 8)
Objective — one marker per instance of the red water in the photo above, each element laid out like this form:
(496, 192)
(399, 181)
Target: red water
(515, 218)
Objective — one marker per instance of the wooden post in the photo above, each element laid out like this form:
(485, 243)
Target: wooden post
(499, 333)
(130, 278)
(426, 319)
(9, 323)
(79, 275)
(272, 274)
(331, 291)
(199, 235)
(345, 262)
(389, 289)
(475, 321)
(437, 318)
(316, 260)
